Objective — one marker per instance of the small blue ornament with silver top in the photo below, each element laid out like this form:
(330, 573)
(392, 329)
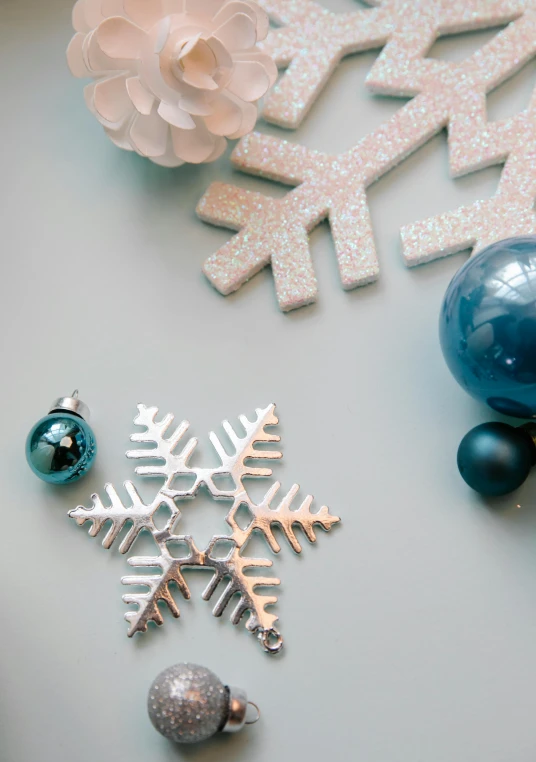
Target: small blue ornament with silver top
(61, 447)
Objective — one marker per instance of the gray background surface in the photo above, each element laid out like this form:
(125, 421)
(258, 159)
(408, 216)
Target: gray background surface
(411, 628)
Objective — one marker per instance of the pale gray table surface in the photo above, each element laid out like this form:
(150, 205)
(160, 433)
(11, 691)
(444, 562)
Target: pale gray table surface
(411, 629)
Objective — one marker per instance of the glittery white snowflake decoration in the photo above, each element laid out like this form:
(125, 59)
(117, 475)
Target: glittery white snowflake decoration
(445, 95)
(224, 557)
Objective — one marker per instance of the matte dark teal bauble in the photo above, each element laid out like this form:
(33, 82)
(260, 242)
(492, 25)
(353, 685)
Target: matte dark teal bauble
(488, 326)
(495, 458)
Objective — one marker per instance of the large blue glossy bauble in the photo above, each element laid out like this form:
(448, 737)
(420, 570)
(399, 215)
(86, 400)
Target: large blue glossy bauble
(61, 448)
(488, 326)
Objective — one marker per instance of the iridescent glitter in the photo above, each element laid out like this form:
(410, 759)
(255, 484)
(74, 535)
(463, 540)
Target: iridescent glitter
(447, 94)
(188, 703)
(314, 40)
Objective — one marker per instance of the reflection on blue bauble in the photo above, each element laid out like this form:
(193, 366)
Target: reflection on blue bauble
(61, 448)
(488, 326)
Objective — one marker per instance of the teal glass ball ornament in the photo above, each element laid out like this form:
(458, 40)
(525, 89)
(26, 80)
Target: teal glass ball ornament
(488, 326)
(61, 447)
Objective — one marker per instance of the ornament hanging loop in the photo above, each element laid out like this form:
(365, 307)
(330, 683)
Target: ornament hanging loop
(271, 640)
(72, 404)
(257, 715)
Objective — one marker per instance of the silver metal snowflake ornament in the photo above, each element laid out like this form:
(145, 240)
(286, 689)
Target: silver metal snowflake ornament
(169, 459)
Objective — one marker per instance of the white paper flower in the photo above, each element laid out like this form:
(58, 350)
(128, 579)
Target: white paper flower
(173, 78)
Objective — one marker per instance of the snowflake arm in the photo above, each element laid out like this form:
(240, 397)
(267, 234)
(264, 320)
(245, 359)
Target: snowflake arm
(508, 214)
(290, 163)
(155, 432)
(231, 207)
(238, 465)
(474, 144)
(265, 518)
(233, 568)
(138, 514)
(158, 590)
(311, 45)
(402, 68)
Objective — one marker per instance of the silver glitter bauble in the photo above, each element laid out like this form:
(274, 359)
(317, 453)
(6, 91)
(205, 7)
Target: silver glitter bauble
(188, 703)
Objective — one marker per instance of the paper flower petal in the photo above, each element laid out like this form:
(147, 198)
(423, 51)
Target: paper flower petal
(79, 18)
(227, 117)
(263, 59)
(249, 119)
(219, 149)
(252, 9)
(119, 38)
(263, 22)
(197, 103)
(193, 146)
(144, 13)
(89, 92)
(169, 159)
(75, 56)
(112, 8)
(231, 9)
(149, 134)
(92, 13)
(224, 58)
(142, 98)
(111, 99)
(97, 61)
(198, 64)
(206, 7)
(162, 36)
(237, 33)
(250, 81)
(176, 116)
(120, 137)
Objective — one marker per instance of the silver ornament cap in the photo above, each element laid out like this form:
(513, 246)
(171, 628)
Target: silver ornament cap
(188, 703)
(72, 404)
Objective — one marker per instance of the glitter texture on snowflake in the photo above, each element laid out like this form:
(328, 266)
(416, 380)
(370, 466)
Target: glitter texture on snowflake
(169, 459)
(444, 95)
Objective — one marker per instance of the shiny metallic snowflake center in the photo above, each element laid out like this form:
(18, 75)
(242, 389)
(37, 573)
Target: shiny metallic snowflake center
(169, 459)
